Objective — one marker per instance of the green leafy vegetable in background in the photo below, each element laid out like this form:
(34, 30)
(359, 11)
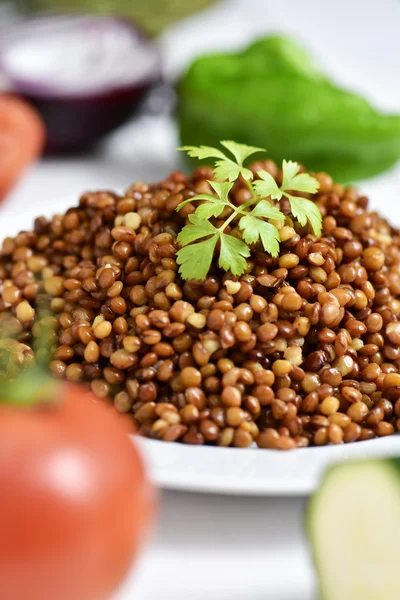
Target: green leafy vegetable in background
(200, 237)
(153, 15)
(273, 91)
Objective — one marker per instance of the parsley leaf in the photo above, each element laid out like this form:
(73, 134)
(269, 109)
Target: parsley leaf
(214, 204)
(232, 254)
(240, 151)
(305, 210)
(264, 209)
(300, 182)
(267, 186)
(254, 228)
(222, 189)
(198, 228)
(207, 197)
(212, 208)
(225, 168)
(202, 152)
(195, 259)
(228, 169)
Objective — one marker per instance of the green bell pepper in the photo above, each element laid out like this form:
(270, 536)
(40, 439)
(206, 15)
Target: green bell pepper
(272, 95)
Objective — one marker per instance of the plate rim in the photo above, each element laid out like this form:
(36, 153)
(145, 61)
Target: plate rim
(174, 466)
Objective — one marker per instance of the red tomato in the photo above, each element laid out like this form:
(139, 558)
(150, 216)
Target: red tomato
(74, 499)
(22, 136)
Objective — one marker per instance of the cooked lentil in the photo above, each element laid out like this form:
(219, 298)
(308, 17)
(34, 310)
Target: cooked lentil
(301, 350)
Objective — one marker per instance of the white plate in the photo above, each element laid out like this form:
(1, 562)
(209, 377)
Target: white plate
(234, 470)
(251, 471)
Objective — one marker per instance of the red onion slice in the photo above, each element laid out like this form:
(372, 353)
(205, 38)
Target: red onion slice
(85, 74)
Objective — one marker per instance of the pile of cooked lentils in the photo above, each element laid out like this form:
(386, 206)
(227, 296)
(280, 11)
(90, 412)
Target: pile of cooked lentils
(301, 350)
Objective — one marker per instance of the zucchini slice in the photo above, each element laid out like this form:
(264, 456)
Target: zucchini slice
(354, 528)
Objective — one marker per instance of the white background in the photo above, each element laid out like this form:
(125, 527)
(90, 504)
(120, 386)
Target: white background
(214, 546)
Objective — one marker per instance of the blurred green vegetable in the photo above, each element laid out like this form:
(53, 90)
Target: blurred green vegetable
(152, 15)
(271, 94)
(353, 524)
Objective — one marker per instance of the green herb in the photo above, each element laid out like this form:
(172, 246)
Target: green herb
(225, 167)
(301, 208)
(24, 376)
(254, 222)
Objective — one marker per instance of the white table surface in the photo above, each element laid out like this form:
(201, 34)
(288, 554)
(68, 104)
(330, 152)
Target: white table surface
(222, 547)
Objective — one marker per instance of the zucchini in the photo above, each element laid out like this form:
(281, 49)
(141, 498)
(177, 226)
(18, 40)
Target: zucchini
(354, 528)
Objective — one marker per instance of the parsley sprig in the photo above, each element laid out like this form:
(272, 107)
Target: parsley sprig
(254, 222)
